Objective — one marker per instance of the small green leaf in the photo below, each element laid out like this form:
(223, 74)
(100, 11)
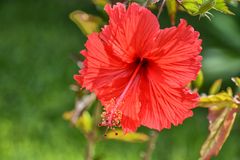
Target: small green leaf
(129, 137)
(222, 7)
(100, 4)
(172, 10)
(86, 22)
(190, 6)
(217, 101)
(216, 86)
(199, 81)
(236, 80)
(202, 7)
(206, 6)
(84, 122)
(220, 125)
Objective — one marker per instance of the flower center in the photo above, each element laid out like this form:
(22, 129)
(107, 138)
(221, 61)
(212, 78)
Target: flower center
(142, 61)
(112, 117)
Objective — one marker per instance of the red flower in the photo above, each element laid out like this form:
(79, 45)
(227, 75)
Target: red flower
(139, 72)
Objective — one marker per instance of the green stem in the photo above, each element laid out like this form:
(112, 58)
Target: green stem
(90, 148)
(151, 146)
(92, 136)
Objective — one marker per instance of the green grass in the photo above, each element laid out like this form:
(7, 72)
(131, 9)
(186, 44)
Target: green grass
(36, 41)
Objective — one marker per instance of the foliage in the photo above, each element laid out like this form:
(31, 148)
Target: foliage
(222, 112)
(36, 71)
(86, 22)
(222, 106)
(130, 137)
(199, 8)
(221, 122)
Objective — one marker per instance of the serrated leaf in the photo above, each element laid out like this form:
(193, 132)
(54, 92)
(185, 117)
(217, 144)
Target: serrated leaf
(221, 122)
(206, 6)
(216, 86)
(222, 7)
(217, 101)
(199, 81)
(191, 6)
(236, 80)
(84, 122)
(172, 10)
(202, 7)
(86, 22)
(130, 137)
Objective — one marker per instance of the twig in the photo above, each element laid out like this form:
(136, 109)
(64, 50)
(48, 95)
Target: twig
(90, 148)
(97, 118)
(81, 104)
(92, 137)
(151, 146)
(161, 8)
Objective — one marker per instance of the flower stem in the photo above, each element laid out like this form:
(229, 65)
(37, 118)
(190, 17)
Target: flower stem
(90, 148)
(151, 146)
(92, 136)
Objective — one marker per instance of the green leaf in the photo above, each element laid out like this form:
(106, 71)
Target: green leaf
(202, 7)
(100, 4)
(129, 137)
(191, 6)
(199, 81)
(172, 10)
(217, 101)
(236, 80)
(86, 22)
(84, 122)
(206, 6)
(222, 7)
(216, 86)
(221, 122)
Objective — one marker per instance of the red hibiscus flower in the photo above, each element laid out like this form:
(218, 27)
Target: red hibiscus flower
(139, 72)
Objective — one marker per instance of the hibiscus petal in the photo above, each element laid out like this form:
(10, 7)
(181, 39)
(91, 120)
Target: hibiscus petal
(100, 67)
(130, 32)
(163, 105)
(131, 107)
(107, 76)
(176, 60)
(129, 125)
(138, 72)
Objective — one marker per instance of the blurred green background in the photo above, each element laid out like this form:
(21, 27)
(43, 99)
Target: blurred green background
(36, 41)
